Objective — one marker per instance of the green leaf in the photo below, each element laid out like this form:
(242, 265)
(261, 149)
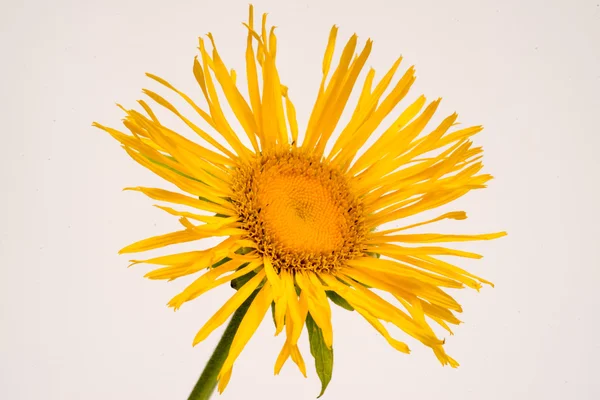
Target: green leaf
(322, 354)
(339, 300)
(374, 255)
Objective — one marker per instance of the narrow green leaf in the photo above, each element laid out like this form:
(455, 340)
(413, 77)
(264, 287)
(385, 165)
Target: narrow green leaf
(339, 300)
(322, 354)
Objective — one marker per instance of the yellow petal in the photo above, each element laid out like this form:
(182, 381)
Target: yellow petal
(400, 346)
(229, 308)
(156, 242)
(437, 238)
(209, 281)
(178, 198)
(249, 324)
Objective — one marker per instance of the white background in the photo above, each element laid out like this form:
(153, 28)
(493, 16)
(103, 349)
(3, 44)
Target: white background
(75, 323)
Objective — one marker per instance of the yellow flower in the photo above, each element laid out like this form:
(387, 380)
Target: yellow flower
(300, 224)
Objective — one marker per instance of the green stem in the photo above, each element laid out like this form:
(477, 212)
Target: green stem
(208, 380)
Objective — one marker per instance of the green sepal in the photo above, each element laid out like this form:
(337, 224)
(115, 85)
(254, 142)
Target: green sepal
(374, 255)
(322, 354)
(220, 262)
(244, 250)
(237, 283)
(338, 300)
(273, 313)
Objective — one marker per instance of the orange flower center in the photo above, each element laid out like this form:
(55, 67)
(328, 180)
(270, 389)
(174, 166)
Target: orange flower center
(300, 212)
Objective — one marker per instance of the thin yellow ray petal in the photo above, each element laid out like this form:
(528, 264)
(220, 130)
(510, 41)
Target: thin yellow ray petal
(272, 106)
(428, 142)
(435, 238)
(366, 105)
(437, 313)
(252, 76)
(194, 159)
(209, 220)
(216, 112)
(372, 265)
(178, 258)
(280, 312)
(318, 304)
(277, 87)
(205, 260)
(197, 287)
(238, 104)
(404, 287)
(293, 332)
(140, 144)
(397, 144)
(416, 311)
(444, 268)
(391, 137)
(234, 302)
(176, 144)
(211, 280)
(249, 324)
(458, 135)
(348, 152)
(392, 249)
(447, 162)
(160, 100)
(178, 198)
(184, 183)
(284, 354)
(159, 241)
(290, 111)
(335, 106)
(224, 380)
(400, 346)
(360, 297)
(273, 278)
(336, 81)
(409, 180)
(430, 200)
(294, 322)
(181, 176)
(329, 53)
(457, 215)
(297, 358)
(149, 111)
(187, 99)
(424, 177)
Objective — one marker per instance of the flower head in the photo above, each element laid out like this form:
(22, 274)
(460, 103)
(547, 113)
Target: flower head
(301, 226)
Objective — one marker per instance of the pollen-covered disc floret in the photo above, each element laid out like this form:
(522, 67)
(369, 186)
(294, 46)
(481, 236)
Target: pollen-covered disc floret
(299, 211)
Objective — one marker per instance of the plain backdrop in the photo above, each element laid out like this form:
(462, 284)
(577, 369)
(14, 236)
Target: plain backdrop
(75, 323)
